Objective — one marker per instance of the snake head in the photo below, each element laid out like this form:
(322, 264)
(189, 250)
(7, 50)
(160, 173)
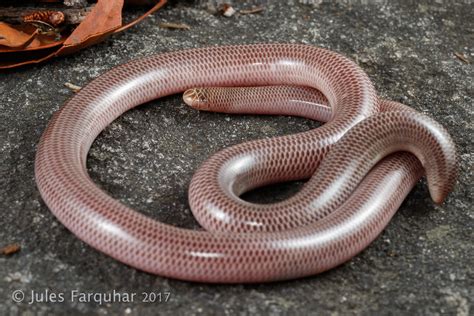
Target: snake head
(197, 99)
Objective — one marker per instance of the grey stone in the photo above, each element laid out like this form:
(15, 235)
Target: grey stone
(421, 264)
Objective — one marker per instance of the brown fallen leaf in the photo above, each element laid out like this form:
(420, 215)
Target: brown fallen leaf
(13, 38)
(10, 249)
(42, 41)
(103, 20)
(169, 25)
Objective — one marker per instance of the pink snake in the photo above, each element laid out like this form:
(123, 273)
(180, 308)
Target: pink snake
(358, 174)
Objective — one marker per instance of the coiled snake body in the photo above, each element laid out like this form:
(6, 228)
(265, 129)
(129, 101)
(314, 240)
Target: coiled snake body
(358, 176)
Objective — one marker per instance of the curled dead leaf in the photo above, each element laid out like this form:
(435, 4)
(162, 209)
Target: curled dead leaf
(27, 44)
(14, 38)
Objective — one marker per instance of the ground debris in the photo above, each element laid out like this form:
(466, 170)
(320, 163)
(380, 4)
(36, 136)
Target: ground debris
(10, 249)
(170, 25)
(252, 10)
(227, 10)
(73, 87)
(462, 58)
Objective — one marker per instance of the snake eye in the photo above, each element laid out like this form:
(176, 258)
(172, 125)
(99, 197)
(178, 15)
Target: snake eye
(201, 98)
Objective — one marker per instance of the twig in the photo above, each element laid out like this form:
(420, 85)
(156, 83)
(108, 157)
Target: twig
(169, 25)
(15, 15)
(252, 11)
(462, 58)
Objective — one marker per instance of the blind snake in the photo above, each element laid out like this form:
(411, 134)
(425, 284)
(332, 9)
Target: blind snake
(358, 163)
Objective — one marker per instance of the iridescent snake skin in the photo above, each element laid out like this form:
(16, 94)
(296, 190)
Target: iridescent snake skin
(358, 165)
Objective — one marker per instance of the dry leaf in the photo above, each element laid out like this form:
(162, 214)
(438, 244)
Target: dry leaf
(13, 38)
(104, 19)
(41, 41)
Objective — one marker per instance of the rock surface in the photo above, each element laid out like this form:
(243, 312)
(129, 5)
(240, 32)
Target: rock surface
(422, 262)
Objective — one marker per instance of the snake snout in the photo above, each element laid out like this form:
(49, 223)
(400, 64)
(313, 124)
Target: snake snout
(189, 96)
(196, 98)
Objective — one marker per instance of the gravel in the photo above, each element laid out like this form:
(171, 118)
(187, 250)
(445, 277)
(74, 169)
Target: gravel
(421, 264)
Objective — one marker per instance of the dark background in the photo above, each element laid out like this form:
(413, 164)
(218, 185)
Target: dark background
(422, 262)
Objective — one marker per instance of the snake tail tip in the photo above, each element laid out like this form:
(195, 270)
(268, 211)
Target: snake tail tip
(438, 195)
